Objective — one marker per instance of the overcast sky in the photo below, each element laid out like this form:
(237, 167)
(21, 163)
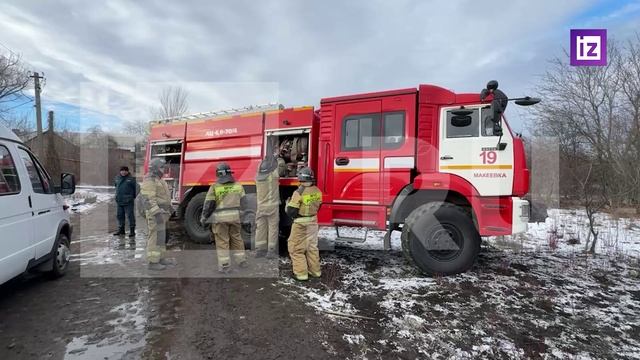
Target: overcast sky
(105, 62)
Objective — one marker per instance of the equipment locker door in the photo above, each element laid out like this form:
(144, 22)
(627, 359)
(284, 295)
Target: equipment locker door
(356, 161)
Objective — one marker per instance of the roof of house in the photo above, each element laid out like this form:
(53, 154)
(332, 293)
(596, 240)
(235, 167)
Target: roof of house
(126, 142)
(29, 137)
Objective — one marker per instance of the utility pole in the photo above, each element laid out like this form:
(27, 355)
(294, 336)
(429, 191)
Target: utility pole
(36, 82)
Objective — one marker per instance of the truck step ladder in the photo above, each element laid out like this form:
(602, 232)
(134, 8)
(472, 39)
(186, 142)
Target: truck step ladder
(349, 239)
(386, 242)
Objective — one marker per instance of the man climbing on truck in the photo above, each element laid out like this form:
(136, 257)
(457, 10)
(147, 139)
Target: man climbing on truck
(268, 207)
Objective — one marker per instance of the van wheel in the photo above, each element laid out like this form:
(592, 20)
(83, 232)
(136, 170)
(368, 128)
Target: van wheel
(199, 234)
(440, 239)
(60, 257)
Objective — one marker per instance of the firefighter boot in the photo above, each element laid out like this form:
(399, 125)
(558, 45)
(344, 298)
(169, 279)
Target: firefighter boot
(156, 267)
(300, 277)
(223, 268)
(168, 262)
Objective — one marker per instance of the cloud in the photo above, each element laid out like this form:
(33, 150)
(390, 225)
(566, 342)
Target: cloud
(114, 57)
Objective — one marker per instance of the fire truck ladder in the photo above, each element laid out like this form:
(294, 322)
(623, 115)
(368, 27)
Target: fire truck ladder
(217, 113)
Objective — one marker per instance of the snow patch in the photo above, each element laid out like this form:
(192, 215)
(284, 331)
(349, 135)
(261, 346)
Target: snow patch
(353, 339)
(85, 199)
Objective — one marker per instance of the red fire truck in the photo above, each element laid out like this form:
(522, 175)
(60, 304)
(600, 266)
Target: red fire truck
(444, 168)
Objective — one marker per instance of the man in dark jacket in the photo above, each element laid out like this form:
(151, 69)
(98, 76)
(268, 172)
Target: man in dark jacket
(126, 191)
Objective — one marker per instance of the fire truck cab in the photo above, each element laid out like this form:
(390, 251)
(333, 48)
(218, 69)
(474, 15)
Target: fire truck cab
(443, 168)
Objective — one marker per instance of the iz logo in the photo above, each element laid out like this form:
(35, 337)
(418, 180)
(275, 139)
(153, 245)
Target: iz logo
(588, 47)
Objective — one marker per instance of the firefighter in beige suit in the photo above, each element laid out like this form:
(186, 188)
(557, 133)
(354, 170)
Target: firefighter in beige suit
(157, 206)
(222, 210)
(303, 241)
(268, 212)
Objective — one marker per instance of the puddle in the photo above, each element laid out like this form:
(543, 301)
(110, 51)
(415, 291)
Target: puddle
(102, 250)
(125, 341)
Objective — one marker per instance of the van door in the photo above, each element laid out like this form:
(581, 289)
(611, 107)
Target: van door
(16, 248)
(46, 207)
(469, 149)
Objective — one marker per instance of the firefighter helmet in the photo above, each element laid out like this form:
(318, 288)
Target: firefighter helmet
(267, 166)
(306, 175)
(156, 166)
(223, 173)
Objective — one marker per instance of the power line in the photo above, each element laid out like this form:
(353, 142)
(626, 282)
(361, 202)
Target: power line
(17, 96)
(16, 106)
(18, 56)
(9, 50)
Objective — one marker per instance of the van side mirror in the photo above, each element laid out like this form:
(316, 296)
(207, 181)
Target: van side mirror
(67, 184)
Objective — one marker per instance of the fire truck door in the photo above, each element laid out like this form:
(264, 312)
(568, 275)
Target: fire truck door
(397, 144)
(356, 161)
(469, 149)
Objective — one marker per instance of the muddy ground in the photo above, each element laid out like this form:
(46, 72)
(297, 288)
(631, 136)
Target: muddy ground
(510, 305)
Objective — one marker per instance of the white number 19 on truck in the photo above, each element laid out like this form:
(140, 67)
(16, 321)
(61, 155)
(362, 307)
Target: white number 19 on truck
(443, 168)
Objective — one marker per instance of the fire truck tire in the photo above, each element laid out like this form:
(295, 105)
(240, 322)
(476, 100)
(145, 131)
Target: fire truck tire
(199, 234)
(448, 230)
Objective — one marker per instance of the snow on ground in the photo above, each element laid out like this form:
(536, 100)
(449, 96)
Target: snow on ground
(86, 198)
(524, 298)
(616, 236)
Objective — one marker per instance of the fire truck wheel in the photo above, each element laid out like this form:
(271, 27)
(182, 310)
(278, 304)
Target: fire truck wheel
(199, 234)
(440, 239)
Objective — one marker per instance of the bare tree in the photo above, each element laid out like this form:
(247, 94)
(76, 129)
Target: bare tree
(95, 137)
(14, 78)
(629, 78)
(593, 199)
(19, 123)
(594, 112)
(173, 102)
(138, 128)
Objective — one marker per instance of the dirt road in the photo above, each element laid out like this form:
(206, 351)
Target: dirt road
(511, 305)
(78, 317)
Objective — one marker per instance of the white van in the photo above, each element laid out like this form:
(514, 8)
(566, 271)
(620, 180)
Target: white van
(35, 230)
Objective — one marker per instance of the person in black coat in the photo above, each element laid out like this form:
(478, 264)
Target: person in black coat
(126, 191)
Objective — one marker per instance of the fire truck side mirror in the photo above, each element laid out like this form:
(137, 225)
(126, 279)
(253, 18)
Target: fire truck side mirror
(461, 120)
(527, 101)
(461, 117)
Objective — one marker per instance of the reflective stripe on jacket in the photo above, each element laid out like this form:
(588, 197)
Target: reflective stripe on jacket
(307, 202)
(227, 198)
